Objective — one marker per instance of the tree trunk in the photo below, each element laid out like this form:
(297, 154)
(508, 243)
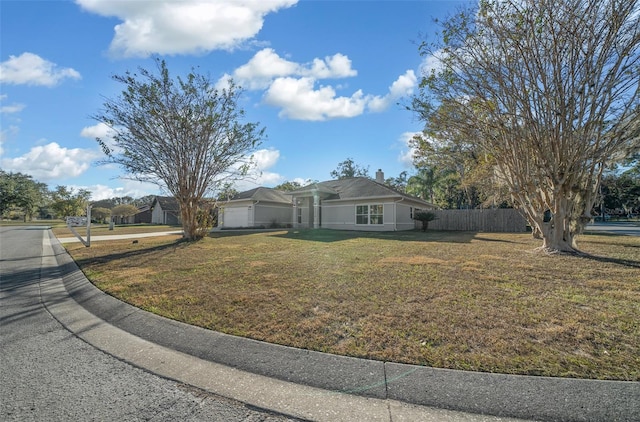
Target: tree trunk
(196, 219)
(189, 223)
(557, 235)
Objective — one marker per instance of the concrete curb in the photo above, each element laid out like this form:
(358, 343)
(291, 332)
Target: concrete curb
(508, 396)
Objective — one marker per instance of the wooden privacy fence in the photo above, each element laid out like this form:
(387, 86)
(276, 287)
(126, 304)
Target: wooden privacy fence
(484, 220)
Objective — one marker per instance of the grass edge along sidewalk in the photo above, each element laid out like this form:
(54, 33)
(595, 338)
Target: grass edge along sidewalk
(472, 301)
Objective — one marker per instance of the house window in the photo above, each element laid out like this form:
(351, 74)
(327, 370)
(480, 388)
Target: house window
(411, 213)
(369, 214)
(362, 214)
(299, 216)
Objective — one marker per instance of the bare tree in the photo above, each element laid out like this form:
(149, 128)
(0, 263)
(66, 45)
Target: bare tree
(550, 90)
(183, 135)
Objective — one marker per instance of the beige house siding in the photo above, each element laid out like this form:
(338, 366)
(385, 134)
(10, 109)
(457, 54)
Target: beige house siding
(160, 216)
(250, 214)
(342, 215)
(404, 215)
(269, 214)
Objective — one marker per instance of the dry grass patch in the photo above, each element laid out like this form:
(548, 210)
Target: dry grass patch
(61, 230)
(452, 300)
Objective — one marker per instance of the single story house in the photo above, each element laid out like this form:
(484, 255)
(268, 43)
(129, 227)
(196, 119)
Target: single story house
(259, 207)
(165, 210)
(357, 203)
(142, 216)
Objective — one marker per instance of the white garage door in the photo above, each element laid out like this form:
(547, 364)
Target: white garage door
(236, 217)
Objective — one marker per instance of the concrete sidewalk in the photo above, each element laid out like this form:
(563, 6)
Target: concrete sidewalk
(119, 236)
(317, 386)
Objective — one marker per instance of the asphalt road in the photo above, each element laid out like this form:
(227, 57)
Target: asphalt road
(48, 374)
(615, 227)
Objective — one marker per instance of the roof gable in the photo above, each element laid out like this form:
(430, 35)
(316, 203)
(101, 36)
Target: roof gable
(167, 203)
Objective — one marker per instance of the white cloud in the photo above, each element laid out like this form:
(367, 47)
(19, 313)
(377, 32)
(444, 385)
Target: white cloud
(401, 87)
(102, 131)
(266, 158)
(99, 130)
(336, 66)
(266, 66)
(51, 162)
(259, 174)
(31, 69)
(431, 63)
(407, 152)
(13, 108)
(299, 100)
(182, 27)
(12, 130)
(260, 71)
(130, 188)
(293, 87)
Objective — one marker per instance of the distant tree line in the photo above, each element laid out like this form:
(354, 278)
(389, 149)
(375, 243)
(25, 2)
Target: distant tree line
(24, 198)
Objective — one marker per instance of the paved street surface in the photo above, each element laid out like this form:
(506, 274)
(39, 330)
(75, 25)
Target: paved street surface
(48, 374)
(68, 351)
(624, 228)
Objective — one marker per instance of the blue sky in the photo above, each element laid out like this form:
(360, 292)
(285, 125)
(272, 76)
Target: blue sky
(323, 77)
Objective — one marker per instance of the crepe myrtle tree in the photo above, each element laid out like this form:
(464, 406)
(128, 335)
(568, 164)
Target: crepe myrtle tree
(549, 90)
(181, 134)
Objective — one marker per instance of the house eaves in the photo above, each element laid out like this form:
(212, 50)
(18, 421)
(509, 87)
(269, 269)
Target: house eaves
(261, 195)
(378, 197)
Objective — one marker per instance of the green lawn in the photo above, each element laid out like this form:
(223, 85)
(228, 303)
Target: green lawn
(474, 301)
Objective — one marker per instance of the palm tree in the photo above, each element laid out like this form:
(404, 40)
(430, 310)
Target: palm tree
(422, 184)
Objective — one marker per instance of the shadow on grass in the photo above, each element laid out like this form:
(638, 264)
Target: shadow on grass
(329, 236)
(607, 260)
(168, 248)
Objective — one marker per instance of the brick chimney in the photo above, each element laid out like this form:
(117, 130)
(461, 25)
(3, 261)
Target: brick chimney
(380, 176)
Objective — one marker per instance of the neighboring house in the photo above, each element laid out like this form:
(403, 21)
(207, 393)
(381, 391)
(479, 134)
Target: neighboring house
(259, 207)
(165, 210)
(357, 203)
(143, 215)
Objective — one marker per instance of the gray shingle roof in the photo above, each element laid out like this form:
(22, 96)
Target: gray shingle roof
(356, 187)
(168, 203)
(263, 194)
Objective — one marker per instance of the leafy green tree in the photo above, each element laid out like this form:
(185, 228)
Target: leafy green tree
(445, 151)
(422, 183)
(100, 214)
(549, 90)
(226, 192)
(68, 202)
(398, 183)
(288, 186)
(348, 168)
(181, 134)
(124, 210)
(20, 191)
(622, 191)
